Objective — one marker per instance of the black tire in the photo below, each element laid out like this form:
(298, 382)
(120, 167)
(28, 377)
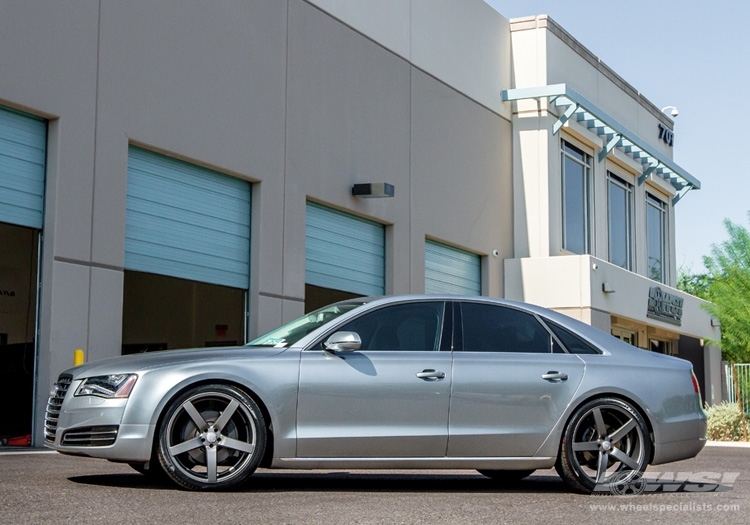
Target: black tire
(506, 476)
(211, 437)
(605, 447)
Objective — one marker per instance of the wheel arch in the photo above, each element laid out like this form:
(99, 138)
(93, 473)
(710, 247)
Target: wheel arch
(167, 402)
(593, 396)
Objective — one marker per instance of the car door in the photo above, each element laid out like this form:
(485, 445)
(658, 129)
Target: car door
(390, 398)
(509, 388)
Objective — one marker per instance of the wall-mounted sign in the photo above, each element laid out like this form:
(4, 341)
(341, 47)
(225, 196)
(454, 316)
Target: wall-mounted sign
(666, 134)
(664, 306)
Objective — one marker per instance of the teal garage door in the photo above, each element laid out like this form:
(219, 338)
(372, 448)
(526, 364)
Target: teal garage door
(186, 221)
(450, 270)
(344, 252)
(23, 143)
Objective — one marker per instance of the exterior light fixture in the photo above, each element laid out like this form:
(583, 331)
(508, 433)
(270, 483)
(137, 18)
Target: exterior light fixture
(608, 288)
(673, 113)
(373, 190)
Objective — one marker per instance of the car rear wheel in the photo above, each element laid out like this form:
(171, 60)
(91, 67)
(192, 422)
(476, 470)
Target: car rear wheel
(605, 448)
(506, 476)
(211, 437)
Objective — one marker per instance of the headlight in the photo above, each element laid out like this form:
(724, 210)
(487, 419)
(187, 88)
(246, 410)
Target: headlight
(116, 385)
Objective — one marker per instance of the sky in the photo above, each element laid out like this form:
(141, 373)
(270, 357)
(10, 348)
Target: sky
(692, 55)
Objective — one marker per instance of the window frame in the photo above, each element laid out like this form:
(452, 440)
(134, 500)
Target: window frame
(629, 189)
(653, 202)
(586, 163)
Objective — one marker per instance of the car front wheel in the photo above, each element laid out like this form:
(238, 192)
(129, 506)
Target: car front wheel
(211, 437)
(605, 448)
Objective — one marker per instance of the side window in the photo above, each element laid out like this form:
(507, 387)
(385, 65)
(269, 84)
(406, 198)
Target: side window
(414, 326)
(493, 328)
(573, 343)
(656, 238)
(576, 199)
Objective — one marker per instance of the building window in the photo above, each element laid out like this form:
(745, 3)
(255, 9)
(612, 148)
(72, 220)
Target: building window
(656, 225)
(625, 335)
(662, 347)
(576, 199)
(620, 217)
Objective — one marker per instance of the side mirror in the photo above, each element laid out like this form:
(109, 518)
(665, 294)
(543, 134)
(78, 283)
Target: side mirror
(343, 342)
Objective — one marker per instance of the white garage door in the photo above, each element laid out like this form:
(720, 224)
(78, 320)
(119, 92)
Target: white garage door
(23, 143)
(450, 270)
(344, 252)
(186, 221)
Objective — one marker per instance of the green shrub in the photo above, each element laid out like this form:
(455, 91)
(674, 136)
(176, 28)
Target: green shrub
(724, 422)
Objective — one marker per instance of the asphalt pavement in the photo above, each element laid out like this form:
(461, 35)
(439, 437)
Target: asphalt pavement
(47, 487)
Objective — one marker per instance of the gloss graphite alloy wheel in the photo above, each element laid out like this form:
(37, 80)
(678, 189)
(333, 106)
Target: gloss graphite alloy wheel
(606, 445)
(211, 437)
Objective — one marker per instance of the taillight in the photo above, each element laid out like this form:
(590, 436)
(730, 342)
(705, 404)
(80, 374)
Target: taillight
(696, 386)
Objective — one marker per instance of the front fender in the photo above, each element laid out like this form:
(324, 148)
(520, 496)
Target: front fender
(273, 382)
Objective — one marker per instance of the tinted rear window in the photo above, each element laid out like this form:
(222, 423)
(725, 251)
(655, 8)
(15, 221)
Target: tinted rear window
(572, 342)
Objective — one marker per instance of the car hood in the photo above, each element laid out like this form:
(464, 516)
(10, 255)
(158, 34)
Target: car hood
(152, 360)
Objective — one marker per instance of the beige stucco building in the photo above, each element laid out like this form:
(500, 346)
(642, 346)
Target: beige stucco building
(178, 174)
(586, 140)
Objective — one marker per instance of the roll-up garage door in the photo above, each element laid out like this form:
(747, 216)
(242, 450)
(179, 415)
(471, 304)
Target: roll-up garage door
(344, 252)
(23, 141)
(186, 221)
(450, 270)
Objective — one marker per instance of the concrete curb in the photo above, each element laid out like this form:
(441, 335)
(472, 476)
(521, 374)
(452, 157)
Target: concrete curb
(8, 451)
(739, 444)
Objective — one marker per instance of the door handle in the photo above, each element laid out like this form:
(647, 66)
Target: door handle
(554, 376)
(431, 374)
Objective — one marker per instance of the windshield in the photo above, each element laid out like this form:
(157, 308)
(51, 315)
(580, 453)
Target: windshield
(292, 332)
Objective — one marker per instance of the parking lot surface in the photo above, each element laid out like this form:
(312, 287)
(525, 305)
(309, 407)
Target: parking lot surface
(44, 487)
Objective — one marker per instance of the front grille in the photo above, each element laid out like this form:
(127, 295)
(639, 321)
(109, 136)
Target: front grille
(101, 436)
(54, 405)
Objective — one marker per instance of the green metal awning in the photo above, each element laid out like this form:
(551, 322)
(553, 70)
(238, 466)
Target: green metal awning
(615, 135)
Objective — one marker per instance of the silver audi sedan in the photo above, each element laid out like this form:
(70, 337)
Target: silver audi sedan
(411, 382)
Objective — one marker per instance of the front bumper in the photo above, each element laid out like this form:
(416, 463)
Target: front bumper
(92, 426)
(131, 446)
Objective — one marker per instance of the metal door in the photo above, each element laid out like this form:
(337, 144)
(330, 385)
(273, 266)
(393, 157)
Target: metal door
(389, 399)
(509, 389)
(186, 221)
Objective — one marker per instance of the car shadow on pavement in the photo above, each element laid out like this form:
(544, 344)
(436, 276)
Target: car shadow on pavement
(396, 482)
(344, 481)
